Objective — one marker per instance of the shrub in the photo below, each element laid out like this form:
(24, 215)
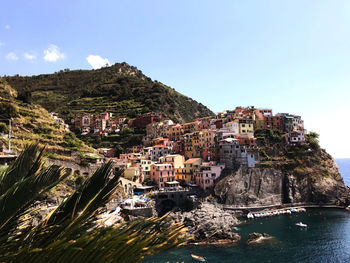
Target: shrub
(8, 110)
(71, 141)
(312, 139)
(3, 128)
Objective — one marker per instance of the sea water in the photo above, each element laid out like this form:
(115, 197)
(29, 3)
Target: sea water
(344, 169)
(326, 239)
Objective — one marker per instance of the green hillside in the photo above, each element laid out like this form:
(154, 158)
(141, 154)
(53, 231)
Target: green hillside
(121, 89)
(32, 123)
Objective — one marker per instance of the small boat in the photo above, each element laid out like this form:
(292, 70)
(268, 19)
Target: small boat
(250, 216)
(301, 224)
(198, 258)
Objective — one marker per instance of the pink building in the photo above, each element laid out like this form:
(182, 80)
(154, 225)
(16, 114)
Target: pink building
(158, 151)
(107, 152)
(295, 137)
(105, 115)
(162, 173)
(209, 172)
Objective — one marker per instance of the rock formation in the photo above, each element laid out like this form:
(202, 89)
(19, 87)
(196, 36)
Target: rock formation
(311, 177)
(208, 224)
(257, 238)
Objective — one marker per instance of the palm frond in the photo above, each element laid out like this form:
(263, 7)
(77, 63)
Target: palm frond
(125, 243)
(69, 233)
(26, 164)
(23, 193)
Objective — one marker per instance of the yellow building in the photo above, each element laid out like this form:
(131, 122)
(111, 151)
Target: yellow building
(191, 145)
(246, 128)
(190, 127)
(206, 138)
(174, 132)
(145, 168)
(176, 160)
(188, 173)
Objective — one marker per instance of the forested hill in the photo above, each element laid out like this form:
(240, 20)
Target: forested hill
(32, 123)
(121, 89)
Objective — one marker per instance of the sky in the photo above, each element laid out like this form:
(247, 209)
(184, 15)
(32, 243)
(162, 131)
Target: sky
(292, 56)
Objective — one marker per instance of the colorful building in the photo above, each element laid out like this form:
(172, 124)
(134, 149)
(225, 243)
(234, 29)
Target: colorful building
(158, 151)
(208, 173)
(187, 174)
(246, 128)
(162, 173)
(174, 132)
(143, 120)
(176, 160)
(295, 137)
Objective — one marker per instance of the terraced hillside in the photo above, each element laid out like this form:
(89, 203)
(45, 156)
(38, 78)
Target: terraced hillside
(32, 123)
(121, 89)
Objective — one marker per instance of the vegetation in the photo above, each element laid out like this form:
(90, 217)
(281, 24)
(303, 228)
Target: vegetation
(120, 89)
(3, 128)
(312, 139)
(69, 233)
(265, 136)
(31, 123)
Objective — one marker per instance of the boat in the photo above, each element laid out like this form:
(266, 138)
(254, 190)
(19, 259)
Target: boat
(198, 258)
(301, 224)
(250, 216)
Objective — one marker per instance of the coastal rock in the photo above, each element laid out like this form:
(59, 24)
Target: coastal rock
(312, 178)
(208, 224)
(257, 238)
(251, 186)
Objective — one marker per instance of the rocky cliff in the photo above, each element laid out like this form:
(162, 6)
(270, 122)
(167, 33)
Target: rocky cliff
(208, 224)
(300, 175)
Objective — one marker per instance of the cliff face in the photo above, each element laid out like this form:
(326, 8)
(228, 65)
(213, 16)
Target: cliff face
(313, 177)
(260, 186)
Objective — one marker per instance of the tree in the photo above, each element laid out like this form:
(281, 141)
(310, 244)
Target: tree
(69, 233)
(312, 138)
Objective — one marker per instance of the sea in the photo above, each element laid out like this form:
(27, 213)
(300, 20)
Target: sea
(344, 169)
(326, 238)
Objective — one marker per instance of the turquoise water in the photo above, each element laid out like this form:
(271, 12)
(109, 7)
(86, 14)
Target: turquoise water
(327, 239)
(344, 169)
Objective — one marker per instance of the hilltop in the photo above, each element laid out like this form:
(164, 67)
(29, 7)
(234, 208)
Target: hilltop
(32, 123)
(120, 89)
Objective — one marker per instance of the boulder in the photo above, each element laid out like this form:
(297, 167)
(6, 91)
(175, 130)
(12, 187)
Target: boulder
(257, 238)
(209, 224)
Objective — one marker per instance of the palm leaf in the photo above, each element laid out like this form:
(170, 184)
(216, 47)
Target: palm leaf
(69, 233)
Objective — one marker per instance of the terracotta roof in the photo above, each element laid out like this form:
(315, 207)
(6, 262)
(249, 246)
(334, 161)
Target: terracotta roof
(192, 160)
(159, 146)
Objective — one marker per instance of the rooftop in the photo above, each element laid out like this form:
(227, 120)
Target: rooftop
(192, 160)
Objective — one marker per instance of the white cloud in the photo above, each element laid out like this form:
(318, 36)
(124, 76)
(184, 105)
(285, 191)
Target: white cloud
(7, 27)
(2, 44)
(97, 62)
(11, 56)
(52, 54)
(29, 56)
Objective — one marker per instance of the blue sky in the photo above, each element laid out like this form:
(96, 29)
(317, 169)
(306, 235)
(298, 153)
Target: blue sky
(291, 56)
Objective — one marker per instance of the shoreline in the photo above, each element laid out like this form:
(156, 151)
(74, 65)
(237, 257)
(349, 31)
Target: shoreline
(280, 206)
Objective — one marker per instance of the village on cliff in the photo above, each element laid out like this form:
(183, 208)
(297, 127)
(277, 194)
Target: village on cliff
(193, 154)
